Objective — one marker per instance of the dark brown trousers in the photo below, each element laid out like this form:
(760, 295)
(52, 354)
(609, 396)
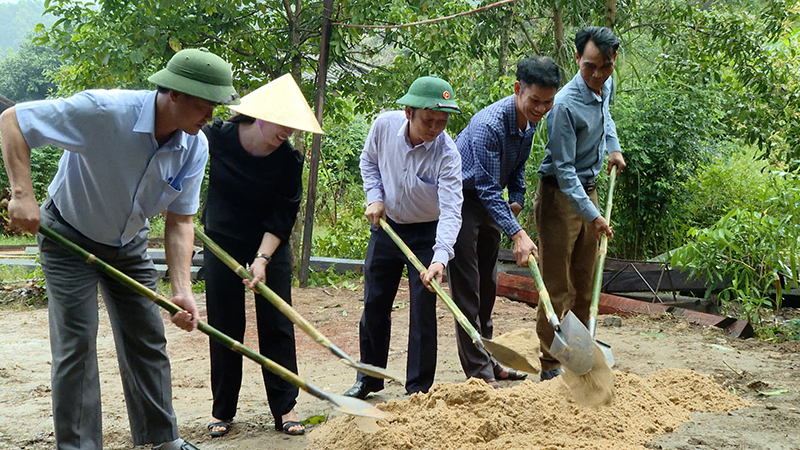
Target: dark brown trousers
(567, 257)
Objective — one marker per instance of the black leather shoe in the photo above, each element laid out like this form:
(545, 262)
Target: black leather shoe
(361, 390)
(550, 374)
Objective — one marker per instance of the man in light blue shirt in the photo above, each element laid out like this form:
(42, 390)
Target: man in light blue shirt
(580, 132)
(129, 155)
(412, 178)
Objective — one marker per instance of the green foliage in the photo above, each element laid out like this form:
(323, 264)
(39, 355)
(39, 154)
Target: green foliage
(17, 20)
(119, 43)
(751, 56)
(330, 277)
(339, 189)
(198, 286)
(26, 74)
(736, 178)
(777, 333)
(748, 251)
(665, 134)
(22, 288)
(347, 239)
(157, 224)
(44, 164)
(25, 239)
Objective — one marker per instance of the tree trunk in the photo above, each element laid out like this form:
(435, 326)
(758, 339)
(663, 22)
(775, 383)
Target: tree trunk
(562, 56)
(611, 14)
(296, 238)
(502, 53)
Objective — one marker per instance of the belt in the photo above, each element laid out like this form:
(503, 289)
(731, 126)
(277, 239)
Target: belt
(551, 180)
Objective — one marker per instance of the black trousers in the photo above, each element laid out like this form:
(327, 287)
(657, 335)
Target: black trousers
(383, 269)
(472, 276)
(226, 312)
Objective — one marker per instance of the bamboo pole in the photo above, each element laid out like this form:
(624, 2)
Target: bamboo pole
(601, 259)
(460, 317)
(345, 404)
(288, 311)
(505, 355)
(544, 296)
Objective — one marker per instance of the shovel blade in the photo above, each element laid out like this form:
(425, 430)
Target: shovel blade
(509, 357)
(356, 407)
(573, 345)
(373, 371)
(606, 349)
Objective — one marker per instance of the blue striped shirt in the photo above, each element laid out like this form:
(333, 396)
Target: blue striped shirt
(493, 155)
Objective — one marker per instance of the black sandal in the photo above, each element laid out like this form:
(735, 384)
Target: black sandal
(286, 426)
(513, 375)
(225, 425)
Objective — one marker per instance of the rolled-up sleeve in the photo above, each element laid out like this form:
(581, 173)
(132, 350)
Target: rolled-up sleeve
(451, 197)
(562, 146)
(370, 172)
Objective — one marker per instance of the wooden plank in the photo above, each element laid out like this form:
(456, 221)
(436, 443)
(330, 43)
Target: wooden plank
(523, 289)
(632, 282)
(340, 265)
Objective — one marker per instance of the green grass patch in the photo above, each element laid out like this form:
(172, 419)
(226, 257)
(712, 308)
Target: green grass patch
(18, 240)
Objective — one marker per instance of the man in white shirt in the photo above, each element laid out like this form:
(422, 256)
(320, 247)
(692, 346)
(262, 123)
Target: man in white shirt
(412, 178)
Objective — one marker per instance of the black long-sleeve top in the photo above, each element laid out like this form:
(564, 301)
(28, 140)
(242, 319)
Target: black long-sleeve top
(250, 195)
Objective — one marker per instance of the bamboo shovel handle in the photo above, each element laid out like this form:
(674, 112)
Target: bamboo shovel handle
(262, 288)
(163, 302)
(460, 317)
(544, 296)
(601, 256)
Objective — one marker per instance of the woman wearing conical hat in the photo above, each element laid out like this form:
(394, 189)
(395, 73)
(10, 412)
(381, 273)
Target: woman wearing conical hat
(254, 193)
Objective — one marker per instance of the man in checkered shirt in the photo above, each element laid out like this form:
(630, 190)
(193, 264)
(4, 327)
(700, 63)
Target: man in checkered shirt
(494, 148)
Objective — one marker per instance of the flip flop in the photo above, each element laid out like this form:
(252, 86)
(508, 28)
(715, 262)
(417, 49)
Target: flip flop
(226, 426)
(289, 424)
(513, 374)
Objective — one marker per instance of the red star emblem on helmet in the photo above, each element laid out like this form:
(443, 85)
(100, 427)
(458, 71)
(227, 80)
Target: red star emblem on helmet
(446, 95)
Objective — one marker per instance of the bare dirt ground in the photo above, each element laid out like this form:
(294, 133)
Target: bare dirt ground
(641, 346)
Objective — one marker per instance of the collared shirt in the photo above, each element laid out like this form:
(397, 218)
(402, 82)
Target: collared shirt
(580, 131)
(419, 183)
(493, 155)
(114, 175)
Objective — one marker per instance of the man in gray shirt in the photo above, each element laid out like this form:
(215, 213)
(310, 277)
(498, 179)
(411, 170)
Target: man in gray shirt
(580, 133)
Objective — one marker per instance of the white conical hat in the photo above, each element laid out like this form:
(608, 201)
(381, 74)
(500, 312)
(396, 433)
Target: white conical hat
(280, 101)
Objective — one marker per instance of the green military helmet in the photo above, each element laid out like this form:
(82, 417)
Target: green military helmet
(200, 73)
(431, 93)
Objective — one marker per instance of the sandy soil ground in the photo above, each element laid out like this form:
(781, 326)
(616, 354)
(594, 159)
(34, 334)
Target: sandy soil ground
(641, 346)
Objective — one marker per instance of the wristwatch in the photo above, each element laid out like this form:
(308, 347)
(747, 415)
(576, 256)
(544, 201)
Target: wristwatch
(262, 255)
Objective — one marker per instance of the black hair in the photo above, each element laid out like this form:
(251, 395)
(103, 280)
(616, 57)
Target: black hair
(241, 118)
(539, 70)
(603, 38)
(163, 90)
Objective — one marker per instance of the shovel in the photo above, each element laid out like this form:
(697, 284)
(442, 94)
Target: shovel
(290, 312)
(347, 405)
(572, 342)
(598, 276)
(504, 355)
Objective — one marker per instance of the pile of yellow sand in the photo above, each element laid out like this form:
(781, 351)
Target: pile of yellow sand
(472, 415)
